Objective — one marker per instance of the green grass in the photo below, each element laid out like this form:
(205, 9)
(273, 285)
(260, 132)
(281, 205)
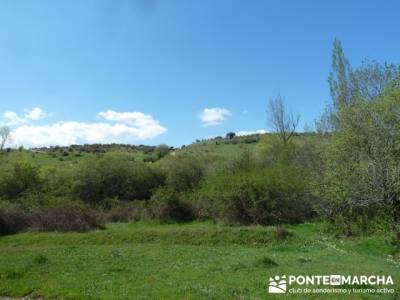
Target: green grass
(190, 261)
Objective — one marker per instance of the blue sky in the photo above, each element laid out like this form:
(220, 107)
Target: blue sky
(142, 71)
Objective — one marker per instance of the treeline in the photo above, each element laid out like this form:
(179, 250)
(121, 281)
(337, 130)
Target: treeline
(345, 171)
(102, 148)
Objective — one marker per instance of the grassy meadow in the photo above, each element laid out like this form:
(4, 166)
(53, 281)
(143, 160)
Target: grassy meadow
(199, 260)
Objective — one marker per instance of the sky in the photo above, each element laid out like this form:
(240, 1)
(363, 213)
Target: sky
(173, 71)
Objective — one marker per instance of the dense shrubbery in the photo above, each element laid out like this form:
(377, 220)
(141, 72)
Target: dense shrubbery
(362, 165)
(127, 211)
(168, 205)
(66, 218)
(13, 221)
(58, 182)
(183, 172)
(278, 194)
(24, 178)
(110, 177)
(359, 188)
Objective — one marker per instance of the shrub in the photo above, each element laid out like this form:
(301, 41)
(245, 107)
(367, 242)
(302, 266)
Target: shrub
(149, 158)
(182, 172)
(360, 182)
(161, 151)
(121, 214)
(58, 181)
(251, 140)
(67, 218)
(70, 218)
(24, 177)
(113, 177)
(13, 221)
(257, 196)
(167, 205)
(127, 212)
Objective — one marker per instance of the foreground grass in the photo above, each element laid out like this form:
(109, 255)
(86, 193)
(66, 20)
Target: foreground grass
(192, 261)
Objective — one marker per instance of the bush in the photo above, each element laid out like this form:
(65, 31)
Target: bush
(13, 221)
(113, 177)
(58, 181)
(257, 196)
(121, 214)
(167, 206)
(182, 172)
(65, 219)
(127, 212)
(24, 178)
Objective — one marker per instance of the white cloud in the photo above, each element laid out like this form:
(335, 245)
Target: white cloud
(127, 128)
(214, 116)
(13, 119)
(35, 114)
(134, 118)
(244, 132)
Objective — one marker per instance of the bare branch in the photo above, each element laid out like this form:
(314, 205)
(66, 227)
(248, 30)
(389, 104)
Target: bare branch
(280, 120)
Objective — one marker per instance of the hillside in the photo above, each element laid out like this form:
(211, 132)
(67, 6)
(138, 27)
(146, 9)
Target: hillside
(217, 148)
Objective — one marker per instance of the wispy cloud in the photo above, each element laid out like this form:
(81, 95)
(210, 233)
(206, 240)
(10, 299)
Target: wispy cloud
(245, 132)
(35, 114)
(214, 116)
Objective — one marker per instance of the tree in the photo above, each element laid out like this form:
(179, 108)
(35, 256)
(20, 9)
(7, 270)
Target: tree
(4, 136)
(371, 79)
(339, 77)
(281, 121)
(230, 135)
(367, 81)
(361, 174)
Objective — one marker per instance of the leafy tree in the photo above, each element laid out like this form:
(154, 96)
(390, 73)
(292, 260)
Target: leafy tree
(367, 81)
(362, 162)
(339, 78)
(230, 135)
(372, 78)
